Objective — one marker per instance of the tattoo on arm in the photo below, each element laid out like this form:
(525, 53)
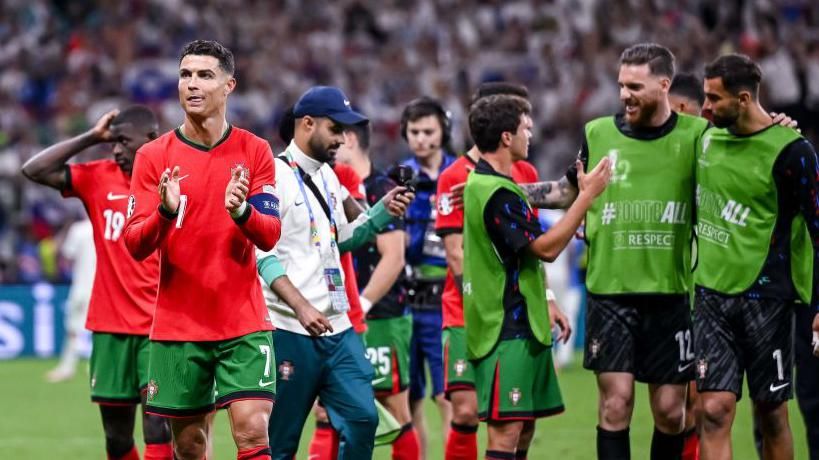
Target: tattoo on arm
(550, 194)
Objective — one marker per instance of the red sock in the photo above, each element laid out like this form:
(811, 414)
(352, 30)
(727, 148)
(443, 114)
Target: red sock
(405, 446)
(131, 455)
(691, 448)
(254, 453)
(324, 445)
(462, 443)
(158, 452)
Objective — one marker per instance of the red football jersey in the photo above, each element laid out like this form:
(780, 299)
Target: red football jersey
(208, 286)
(350, 180)
(124, 293)
(353, 183)
(451, 220)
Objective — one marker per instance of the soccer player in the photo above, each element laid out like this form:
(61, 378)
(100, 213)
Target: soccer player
(426, 127)
(203, 195)
(462, 442)
(380, 270)
(78, 247)
(757, 239)
(317, 352)
(124, 290)
(639, 267)
(507, 328)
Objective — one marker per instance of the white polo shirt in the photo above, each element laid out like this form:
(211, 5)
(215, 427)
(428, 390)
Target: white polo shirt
(300, 258)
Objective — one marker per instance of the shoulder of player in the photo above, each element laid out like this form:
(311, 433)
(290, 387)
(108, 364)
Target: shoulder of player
(160, 145)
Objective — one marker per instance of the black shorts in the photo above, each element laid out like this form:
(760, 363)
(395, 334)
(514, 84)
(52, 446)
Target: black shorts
(648, 336)
(734, 335)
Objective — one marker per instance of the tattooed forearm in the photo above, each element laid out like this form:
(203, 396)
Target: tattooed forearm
(550, 194)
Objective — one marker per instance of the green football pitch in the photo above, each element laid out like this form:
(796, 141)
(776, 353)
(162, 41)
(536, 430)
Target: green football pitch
(40, 420)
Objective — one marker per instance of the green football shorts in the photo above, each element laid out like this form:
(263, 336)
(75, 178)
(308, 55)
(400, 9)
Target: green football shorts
(459, 373)
(388, 346)
(119, 368)
(191, 378)
(517, 381)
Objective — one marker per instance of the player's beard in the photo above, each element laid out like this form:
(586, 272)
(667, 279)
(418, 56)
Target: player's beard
(725, 118)
(322, 151)
(646, 110)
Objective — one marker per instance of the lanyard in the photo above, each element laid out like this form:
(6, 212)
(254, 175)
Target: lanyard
(314, 235)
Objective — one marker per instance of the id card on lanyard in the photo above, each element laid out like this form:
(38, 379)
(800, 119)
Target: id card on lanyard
(331, 269)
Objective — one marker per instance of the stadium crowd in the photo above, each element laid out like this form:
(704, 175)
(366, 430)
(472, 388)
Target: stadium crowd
(63, 64)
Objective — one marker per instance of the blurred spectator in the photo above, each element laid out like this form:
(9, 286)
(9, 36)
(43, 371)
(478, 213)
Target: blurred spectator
(64, 63)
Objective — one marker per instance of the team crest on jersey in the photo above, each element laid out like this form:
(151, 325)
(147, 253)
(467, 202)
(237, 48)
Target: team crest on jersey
(153, 389)
(286, 370)
(445, 204)
(244, 172)
(594, 348)
(460, 367)
(131, 206)
(702, 368)
(515, 395)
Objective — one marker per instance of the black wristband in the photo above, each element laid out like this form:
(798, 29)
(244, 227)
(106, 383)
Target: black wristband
(245, 215)
(167, 214)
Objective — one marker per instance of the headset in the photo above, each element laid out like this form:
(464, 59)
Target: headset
(428, 106)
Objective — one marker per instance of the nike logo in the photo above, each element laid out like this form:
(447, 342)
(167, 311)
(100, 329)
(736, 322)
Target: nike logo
(778, 387)
(112, 197)
(265, 384)
(377, 381)
(299, 203)
(681, 368)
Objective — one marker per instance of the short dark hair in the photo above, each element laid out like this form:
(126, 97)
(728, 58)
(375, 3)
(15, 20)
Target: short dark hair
(141, 117)
(362, 131)
(660, 59)
(210, 48)
(737, 71)
(499, 87)
(287, 125)
(492, 116)
(688, 85)
(423, 107)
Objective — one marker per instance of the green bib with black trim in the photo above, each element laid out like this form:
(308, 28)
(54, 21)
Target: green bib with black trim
(484, 280)
(639, 229)
(737, 209)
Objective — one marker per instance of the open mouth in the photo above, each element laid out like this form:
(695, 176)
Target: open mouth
(631, 108)
(195, 100)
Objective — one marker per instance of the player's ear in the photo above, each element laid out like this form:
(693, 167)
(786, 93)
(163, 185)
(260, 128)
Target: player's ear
(506, 138)
(745, 97)
(230, 85)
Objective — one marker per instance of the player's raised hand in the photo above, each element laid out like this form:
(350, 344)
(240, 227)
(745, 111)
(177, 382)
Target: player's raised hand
(556, 316)
(312, 320)
(782, 119)
(169, 189)
(398, 200)
(237, 189)
(595, 181)
(102, 129)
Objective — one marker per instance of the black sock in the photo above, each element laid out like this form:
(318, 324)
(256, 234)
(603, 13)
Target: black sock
(613, 445)
(499, 455)
(666, 446)
(464, 429)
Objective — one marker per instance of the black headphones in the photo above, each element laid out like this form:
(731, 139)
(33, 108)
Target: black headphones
(427, 105)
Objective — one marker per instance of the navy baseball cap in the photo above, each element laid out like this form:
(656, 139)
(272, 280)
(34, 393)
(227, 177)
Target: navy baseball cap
(330, 102)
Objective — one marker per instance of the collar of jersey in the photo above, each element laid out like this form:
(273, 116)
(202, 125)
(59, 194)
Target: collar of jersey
(199, 146)
(309, 165)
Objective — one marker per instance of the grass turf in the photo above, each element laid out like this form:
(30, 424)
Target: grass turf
(40, 420)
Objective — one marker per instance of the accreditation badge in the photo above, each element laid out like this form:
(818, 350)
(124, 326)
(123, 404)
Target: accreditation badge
(335, 283)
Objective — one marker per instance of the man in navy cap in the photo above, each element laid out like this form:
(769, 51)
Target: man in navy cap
(317, 351)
